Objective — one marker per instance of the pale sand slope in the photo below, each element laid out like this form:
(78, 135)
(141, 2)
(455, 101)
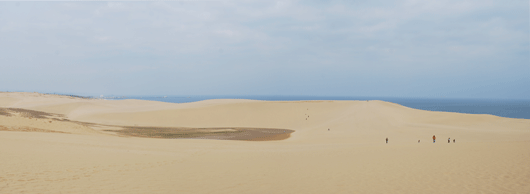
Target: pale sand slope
(491, 154)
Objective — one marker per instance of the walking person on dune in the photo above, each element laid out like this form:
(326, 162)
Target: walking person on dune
(434, 138)
(387, 140)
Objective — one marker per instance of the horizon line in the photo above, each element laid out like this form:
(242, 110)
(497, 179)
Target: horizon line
(263, 95)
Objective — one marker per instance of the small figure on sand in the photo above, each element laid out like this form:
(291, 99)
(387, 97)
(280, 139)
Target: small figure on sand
(387, 140)
(418, 141)
(449, 140)
(454, 140)
(434, 138)
(328, 129)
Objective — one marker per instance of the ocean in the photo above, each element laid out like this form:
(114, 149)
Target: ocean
(503, 108)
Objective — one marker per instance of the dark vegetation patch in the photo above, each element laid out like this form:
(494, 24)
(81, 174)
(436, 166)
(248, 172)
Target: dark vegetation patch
(229, 133)
(30, 113)
(4, 112)
(225, 133)
(28, 129)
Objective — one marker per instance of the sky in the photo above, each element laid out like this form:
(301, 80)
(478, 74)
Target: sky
(402, 48)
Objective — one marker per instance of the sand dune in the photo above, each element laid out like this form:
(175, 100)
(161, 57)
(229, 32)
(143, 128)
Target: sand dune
(491, 154)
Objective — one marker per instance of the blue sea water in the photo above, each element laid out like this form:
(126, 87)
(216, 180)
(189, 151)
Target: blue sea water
(503, 108)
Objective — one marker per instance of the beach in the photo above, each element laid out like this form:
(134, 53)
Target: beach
(61, 144)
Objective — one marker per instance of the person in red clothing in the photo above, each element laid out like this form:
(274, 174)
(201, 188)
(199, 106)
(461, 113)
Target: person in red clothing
(434, 138)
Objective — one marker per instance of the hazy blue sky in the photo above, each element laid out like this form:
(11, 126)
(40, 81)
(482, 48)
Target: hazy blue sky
(440, 48)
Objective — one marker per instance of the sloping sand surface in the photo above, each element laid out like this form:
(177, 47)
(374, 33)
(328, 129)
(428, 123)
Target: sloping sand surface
(491, 154)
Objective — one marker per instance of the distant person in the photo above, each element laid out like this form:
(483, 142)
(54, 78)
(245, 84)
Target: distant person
(418, 141)
(454, 140)
(449, 140)
(328, 129)
(387, 140)
(434, 138)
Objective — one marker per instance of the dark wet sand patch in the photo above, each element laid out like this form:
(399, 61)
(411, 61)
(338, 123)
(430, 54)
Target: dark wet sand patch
(225, 133)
